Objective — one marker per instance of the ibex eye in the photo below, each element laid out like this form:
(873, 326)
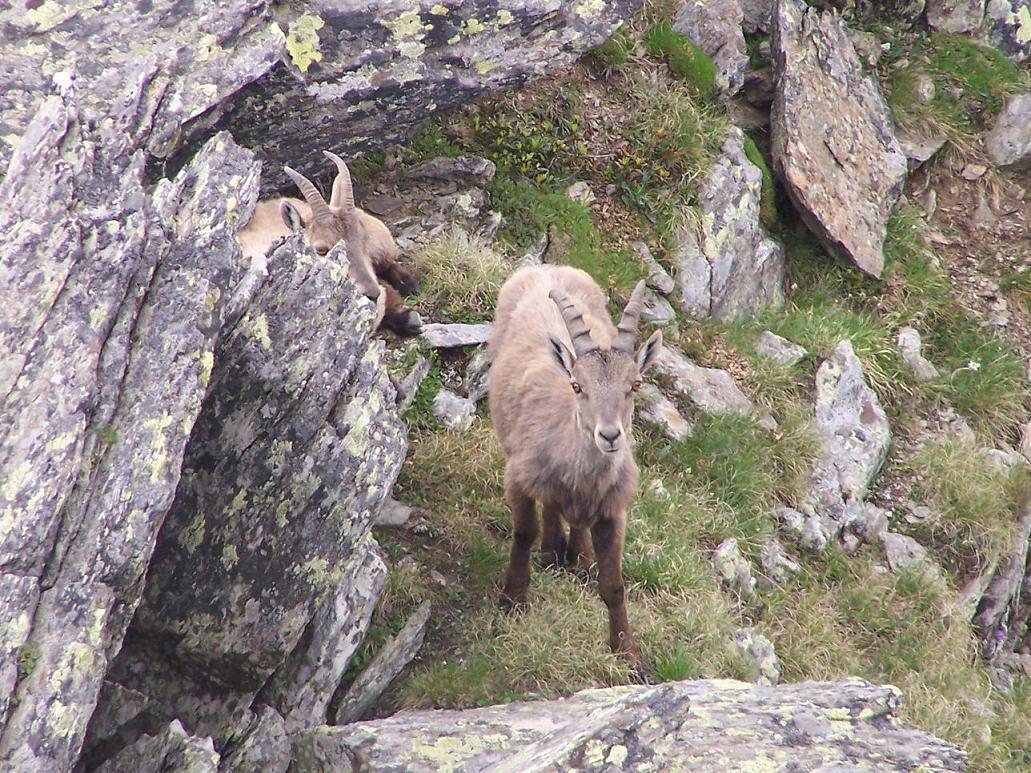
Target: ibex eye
(576, 387)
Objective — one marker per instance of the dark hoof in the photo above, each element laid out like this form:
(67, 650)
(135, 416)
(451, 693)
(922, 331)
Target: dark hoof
(409, 285)
(509, 605)
(406, 324)
(640, 674)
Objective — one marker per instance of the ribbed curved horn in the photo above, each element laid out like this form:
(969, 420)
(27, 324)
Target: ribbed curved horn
(319, 207)
(626, 338)
(343, 194)
(578, 330)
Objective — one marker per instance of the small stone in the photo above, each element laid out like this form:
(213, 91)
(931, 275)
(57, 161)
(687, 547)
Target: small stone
(476, 375)
(733, 569)
(955, 16)
(471, 170)
(658, 278)
(489, 230)
(776, 565)
(442, 336)
(715, 27)
(657, 309)
(780, 350)
(581, 193)
(409, 385)
(658, 490)
(1002, 460)
(929, 202)
(1025, 441)
(919, 149)
(910, 346)
(973, 171)
(758, 653)
(904, 552)
(805, 529)
(454, 412)
(535, 255)
(923, 87)
(867, 45)
(392, 514)
(656, 408)
(1009, 142)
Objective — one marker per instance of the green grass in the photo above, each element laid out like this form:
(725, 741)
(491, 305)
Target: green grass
(767, 203)
(685, 60)
(420, 414)
(615, 52)
(461, 277)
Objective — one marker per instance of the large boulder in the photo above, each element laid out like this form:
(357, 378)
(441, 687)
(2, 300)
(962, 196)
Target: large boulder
(955, 16)
(1007, 26)
(706, 725)
(833, 140)
(1009, 141)
(731, 268)
(291, 79)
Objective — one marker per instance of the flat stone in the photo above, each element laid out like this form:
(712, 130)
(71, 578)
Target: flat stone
(469, 170)
(655, 408)
(658, 278)
(910, 347)
(712, 390)
(919, 149)
(803, 528)
(780, 350)
(833, 141)
(657, 309)
(1007, 27)
(476, 371)
(581, 193)
(778, 568)
(172, 749)
(447, 336)
(409, 385)
(454, 411)
(904, 552)
(955, 16)
(392, 514)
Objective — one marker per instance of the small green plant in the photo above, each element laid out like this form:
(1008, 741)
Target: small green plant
(28, 657)
(420, 415)
(684, 59)
(767, 203)
(461, 276)
(614, 52)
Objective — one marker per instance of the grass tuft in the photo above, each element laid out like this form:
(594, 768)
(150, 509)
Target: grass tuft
(461, 276)
(685, 60)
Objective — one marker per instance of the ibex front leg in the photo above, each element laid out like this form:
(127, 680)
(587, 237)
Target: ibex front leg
(524, 534)
(607, 535)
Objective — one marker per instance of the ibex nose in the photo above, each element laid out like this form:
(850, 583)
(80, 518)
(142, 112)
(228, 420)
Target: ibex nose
(610, 434)
(321, 249)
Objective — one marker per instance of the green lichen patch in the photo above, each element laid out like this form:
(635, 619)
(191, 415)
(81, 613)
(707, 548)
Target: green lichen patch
(302, 41)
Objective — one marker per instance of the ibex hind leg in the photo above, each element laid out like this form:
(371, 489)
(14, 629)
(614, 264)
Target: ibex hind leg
(554, 546)
(524, 534)
(581, 553)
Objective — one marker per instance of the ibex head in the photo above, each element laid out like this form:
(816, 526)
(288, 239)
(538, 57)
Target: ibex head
(604, 380)
(332, 222)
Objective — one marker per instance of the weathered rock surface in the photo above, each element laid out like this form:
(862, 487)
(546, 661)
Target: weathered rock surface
(911, 347)
(712, 390)
(905, 552)
(715, 27)
(453, 411)
(476, 372)
(1008, 27)
(658, 278)
(756, 15)
(919, 149)
(731, 268)
(955, 16)
(778, 568)
(470, 170)
(657, 309)
(779, 349)
(1002, 614)
(1009, 141)
(174, 749)
(655, 408)
(294, 79)
(832, 136)
(706, 726)
(733, 569)
(758, 654)
(265, 749)
(392, 514)
(384, 668)
(448, 336)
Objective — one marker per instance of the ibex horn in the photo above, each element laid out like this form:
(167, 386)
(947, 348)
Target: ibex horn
(343, 194)
(318, 205)
(626, 338)
(578, 330)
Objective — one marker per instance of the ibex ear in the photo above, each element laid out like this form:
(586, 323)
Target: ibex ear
(562, 355)
(649, 351)
(291, 216)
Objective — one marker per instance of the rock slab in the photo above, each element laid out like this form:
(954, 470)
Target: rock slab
(833, 141)
(1009, 141)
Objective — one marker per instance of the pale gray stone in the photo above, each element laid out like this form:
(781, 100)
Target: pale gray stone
(1009, 142)
(919, 149)
(581, 193)
(1007, 27)
(409, 385)
(265, 749)
(476, 372)
(733, 569)
(444, 336)
(657, 309)
(454, 411)
(758, 653)
(658, 278)
(467, 170)
(910, 347)
(778, 568)
(780, 350)
(655, 408)
(833, 141)
(174, 749)
(955, 16)
(803, 528)
(905, 552)
(715, 27)
(392, 514)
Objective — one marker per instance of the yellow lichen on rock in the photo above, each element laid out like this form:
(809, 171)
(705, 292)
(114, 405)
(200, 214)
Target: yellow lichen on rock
(302, 41)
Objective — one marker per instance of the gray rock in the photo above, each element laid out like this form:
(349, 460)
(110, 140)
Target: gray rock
(1002, 460)
(409, 385)
(657, 309)
(476, 372)
(1009, 141)
(581, 193)
(390, 661)
(757, 651)
(467, 170)
(904, 552)
(780, 350)
(715, 27)
(910, 346)
(778, 568)
(535, 255)
(760, 86)
(853, 431)
(1008, 27)
(919, 149)
(832, 136)
(303, 687)
(870, 522)
(867, 46)
(441, 336)
(733, 569)
(1025, 441)
(658, 278)
(265, 749)
(803, 528)
(731, 268)
(1003, 604)
(392, 514)
(488, 232)
(174, 749)
(454, 411)
(704, 725)
(712, 390)
(756, 15)
(955, 16)
(655, 408)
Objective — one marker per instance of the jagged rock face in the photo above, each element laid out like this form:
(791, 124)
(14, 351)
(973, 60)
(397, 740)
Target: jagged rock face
(1008, 27)
(832, 136)
(1009, 141)
(734, 269)
(115, 296)
(715, 27)
(292, 79)
(955, 16)
(705, 725)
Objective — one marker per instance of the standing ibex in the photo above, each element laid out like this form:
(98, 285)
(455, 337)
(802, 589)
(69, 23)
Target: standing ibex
(371, 250)
(561, 392)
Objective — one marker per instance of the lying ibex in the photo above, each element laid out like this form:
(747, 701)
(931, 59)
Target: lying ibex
(561, 392)
(371, 250)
